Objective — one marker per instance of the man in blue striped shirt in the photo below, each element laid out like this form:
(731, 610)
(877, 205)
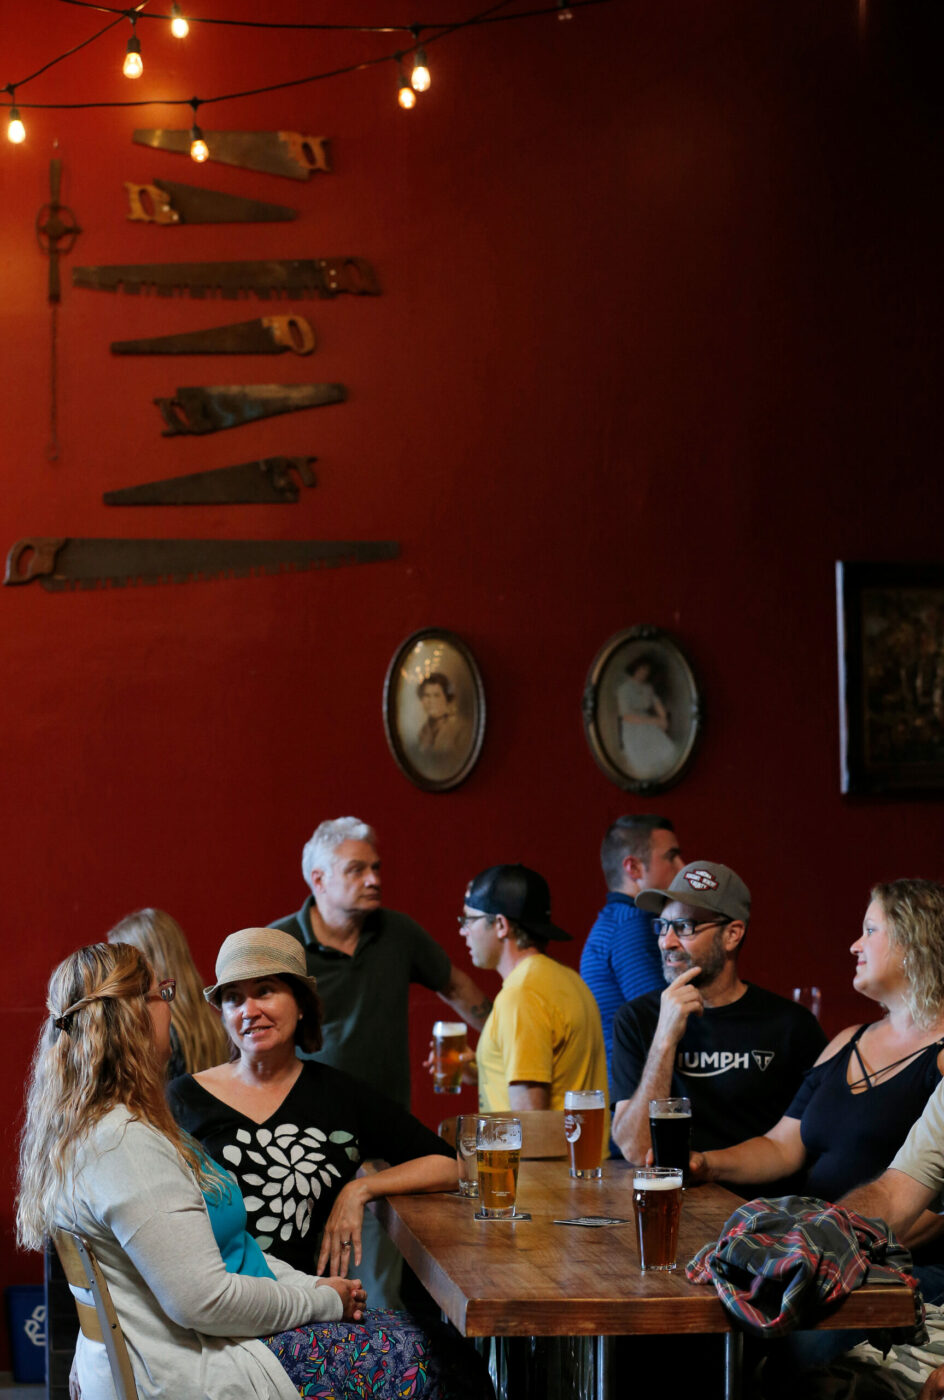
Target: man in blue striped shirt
(620, 959)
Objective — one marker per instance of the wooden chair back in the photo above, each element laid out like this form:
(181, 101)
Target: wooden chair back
(542, 1133)
(98, 1319)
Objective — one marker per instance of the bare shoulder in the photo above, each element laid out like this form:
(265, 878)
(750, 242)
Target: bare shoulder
(837, 1043)
(215, 1076)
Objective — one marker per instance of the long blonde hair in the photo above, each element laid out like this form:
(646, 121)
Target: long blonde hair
(914, 910)
(96, 1052)
(164, 944)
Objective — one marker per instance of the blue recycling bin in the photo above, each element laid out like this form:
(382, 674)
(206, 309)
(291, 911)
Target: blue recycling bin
(26, 1314)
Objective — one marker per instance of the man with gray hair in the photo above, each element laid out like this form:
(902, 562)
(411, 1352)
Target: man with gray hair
(620, 959)
(365, 957)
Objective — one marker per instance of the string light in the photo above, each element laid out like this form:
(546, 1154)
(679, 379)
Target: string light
(563, 11)
(419, 78)
(406, 96)
(133, 66)
(199, 150)
(16, 131)
(178, 24)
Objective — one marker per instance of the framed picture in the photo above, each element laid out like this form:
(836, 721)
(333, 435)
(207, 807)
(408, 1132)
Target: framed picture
(434, 709)
(891, 677)
(642, 709)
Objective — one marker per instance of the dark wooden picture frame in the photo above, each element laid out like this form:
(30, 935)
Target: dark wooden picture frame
(434, 709)
(890, 621)
(642, 709)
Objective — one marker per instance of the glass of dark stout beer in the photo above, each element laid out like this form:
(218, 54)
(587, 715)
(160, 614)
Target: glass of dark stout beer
(657, 1203)
(670, 1126)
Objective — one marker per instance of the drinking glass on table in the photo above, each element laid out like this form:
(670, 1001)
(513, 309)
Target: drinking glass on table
(670, 1127)
(657, 1204)
(498, 1148)
(466, 1155)
(449, 1042)
(583, 1129)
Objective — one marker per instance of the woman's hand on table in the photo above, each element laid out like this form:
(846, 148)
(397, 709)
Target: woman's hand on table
(341, 1241)
(353, 1296)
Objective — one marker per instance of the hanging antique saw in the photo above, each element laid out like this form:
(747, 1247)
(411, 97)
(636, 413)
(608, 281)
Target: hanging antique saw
(167, 203)
(267, 335)
(208, 409)
(323, 277)
(269, 482)
(64, 563)
(286, 153)
(56, 229)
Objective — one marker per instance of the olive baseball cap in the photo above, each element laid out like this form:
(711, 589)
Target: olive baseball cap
(258, 952)
(705, 885)
(518, 893)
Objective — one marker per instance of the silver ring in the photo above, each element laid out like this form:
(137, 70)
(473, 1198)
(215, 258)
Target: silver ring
(345, 1244)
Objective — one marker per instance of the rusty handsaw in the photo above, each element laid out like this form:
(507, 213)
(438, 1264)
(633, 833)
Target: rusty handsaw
(270, 481)
(63, 563)
(169, 204)
(296, 277)
(288, 153)
(266, 335)
(210, 408)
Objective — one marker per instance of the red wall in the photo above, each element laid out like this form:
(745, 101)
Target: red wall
(659, 341)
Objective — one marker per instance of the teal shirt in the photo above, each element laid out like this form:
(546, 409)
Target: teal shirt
(241, 1254)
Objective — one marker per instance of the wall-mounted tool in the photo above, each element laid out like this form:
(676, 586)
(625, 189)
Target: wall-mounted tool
(269, 482)
(267, 335)
(56, 229)
(164, 202)
(75, 563)
(210, 408)
(286, 153)
(300, 277)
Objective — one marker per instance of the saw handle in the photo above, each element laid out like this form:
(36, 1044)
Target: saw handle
(310, 152)
(291, 333)
(150, 205)
(32, 558)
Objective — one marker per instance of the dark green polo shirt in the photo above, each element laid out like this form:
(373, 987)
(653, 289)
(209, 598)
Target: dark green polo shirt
(366, 996)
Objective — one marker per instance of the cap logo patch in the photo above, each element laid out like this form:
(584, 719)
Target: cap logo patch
(701, 879)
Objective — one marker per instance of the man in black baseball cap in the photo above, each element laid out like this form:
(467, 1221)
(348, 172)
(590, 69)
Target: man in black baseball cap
(543, 1035)
(737, 1051)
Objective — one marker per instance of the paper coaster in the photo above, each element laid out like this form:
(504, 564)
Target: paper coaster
(502, 1219)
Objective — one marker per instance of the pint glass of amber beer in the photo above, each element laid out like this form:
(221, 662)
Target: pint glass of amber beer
(670, 1126)
(498, 1148)
(657, 1202)
(448, 1044)
(583, 1128)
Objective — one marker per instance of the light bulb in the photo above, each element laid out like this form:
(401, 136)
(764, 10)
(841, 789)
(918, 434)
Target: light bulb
(199, 150)
(178, 24)
(419, 79)
(133, 67)
(16, 131)
(406, 96)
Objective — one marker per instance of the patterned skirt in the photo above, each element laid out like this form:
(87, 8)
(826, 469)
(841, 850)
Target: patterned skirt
(385, 1356)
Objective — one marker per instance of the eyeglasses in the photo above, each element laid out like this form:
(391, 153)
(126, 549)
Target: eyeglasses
(683, 928)
(465, 920)
(166, 991)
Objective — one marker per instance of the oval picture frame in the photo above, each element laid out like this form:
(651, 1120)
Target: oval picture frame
(642, 709)
(435, 736)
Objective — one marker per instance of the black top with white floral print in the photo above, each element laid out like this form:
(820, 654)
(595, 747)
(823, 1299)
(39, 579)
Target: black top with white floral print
(291, 1167)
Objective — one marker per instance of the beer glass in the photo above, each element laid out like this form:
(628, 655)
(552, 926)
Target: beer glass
(670, 1126)
(583, 1128)
(657, 1202)
(448, 1044)
(498, 1148)
(466, 1129)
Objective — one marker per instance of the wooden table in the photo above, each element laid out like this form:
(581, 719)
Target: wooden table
(535, 1278)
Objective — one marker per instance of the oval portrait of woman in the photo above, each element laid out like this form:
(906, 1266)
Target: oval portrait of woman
(434, 709)
(642, 709)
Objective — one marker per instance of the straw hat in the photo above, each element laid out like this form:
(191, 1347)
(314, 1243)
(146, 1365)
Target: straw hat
(259, 952)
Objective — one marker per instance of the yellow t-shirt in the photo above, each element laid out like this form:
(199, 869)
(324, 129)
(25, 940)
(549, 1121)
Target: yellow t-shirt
(544, 1027)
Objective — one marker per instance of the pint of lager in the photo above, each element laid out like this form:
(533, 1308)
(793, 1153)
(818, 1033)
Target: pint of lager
(466, 1156)
(657, 1202)
(670, 1126)
(583, 1128)
(448, 1044)
(498, 1149)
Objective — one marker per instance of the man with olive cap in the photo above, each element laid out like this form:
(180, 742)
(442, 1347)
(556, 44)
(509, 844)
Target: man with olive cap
(737, 1051)
(543, 1035)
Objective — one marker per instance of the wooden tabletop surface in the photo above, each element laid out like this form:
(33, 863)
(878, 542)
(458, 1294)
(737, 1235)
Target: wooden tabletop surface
(535, 1278)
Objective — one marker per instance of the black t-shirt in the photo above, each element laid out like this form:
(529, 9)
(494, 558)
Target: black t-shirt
(740, 1064)
(291, 1167)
